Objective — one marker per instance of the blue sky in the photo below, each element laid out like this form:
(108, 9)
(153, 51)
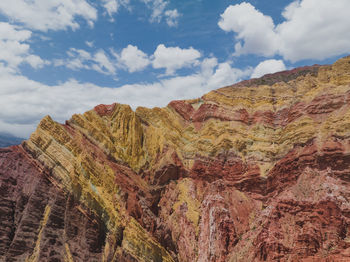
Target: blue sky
(61, 57)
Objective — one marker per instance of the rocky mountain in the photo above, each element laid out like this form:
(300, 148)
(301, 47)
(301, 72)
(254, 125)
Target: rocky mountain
(9, 140)
(257, 171)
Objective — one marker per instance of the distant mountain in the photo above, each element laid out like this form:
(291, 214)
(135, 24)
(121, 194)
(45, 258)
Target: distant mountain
(9, 140)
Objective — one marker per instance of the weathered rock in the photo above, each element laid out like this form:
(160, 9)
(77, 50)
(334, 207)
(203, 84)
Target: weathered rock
(257, 171)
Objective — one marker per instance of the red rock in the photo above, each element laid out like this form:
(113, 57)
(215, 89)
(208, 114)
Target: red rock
(104, 110)
(184, 109)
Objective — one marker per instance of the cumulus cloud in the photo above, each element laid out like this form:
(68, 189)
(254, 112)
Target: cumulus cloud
(133, 59)
(46, 15)
(313, 29)
(268, 67)
(21, 113)
(15, 49)
(252, 27)
(174, 58)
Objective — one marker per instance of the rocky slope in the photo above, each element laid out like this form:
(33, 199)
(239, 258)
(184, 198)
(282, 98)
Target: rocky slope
(258, 171)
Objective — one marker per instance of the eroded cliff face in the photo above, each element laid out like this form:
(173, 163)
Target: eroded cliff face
(258, 171)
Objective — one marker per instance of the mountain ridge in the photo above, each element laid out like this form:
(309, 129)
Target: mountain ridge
(257, 171)
(9, 140)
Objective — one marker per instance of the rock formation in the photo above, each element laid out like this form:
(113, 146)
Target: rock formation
(257, 171)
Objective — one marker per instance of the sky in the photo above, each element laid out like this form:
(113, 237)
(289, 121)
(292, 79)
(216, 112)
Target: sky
(61, 57)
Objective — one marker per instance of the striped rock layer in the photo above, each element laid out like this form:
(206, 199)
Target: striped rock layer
(257, 171)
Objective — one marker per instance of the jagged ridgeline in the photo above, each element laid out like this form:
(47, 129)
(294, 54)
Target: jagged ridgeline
(257, 171)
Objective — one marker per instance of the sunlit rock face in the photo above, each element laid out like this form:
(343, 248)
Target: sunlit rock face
(257, 171)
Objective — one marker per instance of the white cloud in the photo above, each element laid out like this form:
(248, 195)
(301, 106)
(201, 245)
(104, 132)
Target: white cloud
(12, 33)
(77, 60)
(208, 65)
(36, 62)
(226, 75)
(44, 15)
(159, 11)
(158, 7)
(268, 67)
(313, 29)
(24, 102)
(103, 64)
(319, 29)
(14, 47)
(251, 26)
(133, 59)
(81, 59)
(112, 6)
(171, 17)
(174, 58)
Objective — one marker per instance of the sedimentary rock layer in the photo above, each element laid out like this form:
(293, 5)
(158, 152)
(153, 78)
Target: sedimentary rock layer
(257, 171)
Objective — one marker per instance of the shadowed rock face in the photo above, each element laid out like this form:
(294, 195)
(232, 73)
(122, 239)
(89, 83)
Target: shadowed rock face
(258, 171)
